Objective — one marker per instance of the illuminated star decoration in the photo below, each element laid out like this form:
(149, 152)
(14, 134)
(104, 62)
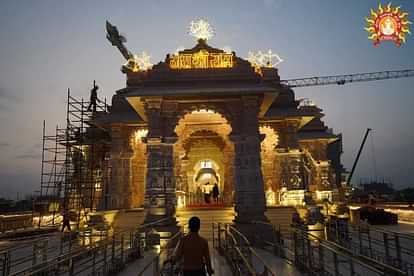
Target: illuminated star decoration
(227, 49)
(132, 64)
(270, 59)
(143, 61)
(267, 59)
(253, 58)
(201, 29)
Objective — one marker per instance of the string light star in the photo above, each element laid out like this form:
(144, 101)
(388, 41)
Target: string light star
(201, 29)
(267, 59)
(253, 58)
(270, 59)
(143, 61)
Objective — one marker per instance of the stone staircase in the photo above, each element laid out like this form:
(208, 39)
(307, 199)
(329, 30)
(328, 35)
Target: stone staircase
(128, 219)
(281, 216)
(207, 217)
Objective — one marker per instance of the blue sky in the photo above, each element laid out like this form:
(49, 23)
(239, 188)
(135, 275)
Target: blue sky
(47, 46)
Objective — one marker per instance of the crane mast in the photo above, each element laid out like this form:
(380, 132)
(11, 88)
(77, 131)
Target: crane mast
(343, 79)
(348, 182)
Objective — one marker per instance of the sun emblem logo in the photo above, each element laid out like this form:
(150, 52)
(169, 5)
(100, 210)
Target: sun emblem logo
(388, 23)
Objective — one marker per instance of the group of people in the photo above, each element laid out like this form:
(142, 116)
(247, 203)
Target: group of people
(207, 192)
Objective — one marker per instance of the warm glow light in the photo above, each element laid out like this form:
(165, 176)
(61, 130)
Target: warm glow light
(322, 195)
(201, 60)
(201, 29)
(136, 138)
(271, 139)
(180, 201)
(206, 164)
(292, 197)
(270, 197)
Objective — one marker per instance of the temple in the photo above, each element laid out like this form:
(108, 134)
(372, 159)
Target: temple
(204, 116)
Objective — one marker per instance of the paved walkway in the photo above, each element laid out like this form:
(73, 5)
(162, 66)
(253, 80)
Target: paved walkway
(278, 265)
(219, 265)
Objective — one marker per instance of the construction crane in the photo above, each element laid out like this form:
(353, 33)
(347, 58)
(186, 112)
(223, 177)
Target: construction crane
(343, 79)
(348, 182)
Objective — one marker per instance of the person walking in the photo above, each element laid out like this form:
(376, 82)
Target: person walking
(66, 220)
(194, 250)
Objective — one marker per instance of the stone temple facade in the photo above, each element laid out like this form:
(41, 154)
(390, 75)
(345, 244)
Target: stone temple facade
(204, 115)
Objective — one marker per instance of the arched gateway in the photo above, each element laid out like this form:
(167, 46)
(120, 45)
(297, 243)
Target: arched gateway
(207, 114)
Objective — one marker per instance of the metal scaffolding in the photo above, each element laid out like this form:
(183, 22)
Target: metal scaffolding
(74, 163)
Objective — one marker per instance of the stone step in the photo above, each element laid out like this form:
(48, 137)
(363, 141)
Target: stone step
(207, 217)
(281, 217)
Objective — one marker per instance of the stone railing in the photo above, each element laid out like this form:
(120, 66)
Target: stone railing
(15, 221)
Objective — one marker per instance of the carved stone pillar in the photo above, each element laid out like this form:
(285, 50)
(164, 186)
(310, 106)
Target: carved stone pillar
(183, 175)
(228, 190)
(291, 166)
(119, 194)
(249, 188)
(160, 196)
(289, 157)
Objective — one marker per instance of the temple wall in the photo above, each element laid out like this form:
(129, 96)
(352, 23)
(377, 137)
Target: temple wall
(318, 148)
(269, 163)
(120, 156)
(138, 169)
(285, 162)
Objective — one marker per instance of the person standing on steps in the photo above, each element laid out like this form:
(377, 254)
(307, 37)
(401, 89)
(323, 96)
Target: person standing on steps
(194, 250)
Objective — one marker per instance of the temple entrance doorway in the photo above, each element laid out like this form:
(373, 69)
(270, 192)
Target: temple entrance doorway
(206, 186)
(203, 158)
